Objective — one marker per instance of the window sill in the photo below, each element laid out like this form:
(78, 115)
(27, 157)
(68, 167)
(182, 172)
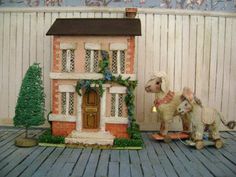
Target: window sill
(62, 118)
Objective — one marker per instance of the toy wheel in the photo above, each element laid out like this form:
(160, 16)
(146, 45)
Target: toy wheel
(199, 145)
(219, 143)
(167, 139)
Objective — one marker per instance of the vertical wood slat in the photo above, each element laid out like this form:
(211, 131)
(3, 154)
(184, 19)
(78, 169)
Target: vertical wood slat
(213, 65)
(141, 72)
(5, 69)
(47, 60)
(199, 57)
(178, 53)
(12, 66)
(1, 59)
(232, 92)
(19, 52)
(185, 60)
(26, 45)
(227, 56)
(148, 50)
(164, 31)
(220, 62)
(190, 48)
(171, 51)
(33, 41)
(206, 61)
(192, 52)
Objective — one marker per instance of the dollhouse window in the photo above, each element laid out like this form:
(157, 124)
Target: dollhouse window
(117, 101)
(68, 60)
(67, 99)
(118, 58)
(91, 57)
(68, 56)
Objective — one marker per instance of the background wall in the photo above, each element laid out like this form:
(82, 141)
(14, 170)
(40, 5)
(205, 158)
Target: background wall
(196, 49)
(208, 5)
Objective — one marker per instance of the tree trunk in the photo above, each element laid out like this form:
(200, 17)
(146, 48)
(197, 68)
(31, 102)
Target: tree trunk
(26, 132)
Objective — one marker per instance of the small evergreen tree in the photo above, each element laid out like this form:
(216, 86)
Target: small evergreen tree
(30, 105)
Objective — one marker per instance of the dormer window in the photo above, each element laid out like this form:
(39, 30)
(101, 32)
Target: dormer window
(91, 57)
(68, 57)
(118, 58)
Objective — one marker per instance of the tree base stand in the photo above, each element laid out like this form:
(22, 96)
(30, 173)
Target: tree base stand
(26, 142)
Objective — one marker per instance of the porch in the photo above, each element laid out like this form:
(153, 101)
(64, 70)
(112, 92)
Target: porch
(156, 159)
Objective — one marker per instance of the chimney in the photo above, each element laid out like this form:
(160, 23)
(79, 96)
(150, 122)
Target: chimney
(130, 12)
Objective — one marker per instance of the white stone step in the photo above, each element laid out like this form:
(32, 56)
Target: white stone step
(91, 138)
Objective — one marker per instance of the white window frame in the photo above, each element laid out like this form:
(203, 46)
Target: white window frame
(117, 91)
(68, 47)
(92, 47)
(118, 47)
(67, 89)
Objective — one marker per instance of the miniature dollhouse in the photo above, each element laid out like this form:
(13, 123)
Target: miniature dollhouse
(77, 44)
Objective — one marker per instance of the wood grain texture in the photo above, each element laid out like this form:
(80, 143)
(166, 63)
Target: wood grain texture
(155, 159)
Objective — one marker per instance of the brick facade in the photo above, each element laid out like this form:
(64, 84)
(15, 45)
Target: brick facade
(130, 56)
(118, 130)
(56, 54)
(55, 97)
(62, 128)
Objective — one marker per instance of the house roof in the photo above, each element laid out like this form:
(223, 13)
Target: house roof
(96, 27)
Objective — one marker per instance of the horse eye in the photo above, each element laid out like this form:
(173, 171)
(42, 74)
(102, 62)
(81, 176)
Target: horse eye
(186, 105)
(158, 82)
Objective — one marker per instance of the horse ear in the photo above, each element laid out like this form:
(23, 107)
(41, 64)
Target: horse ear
(188, 94)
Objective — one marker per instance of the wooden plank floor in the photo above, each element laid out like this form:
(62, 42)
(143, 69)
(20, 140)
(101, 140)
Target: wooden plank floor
(156, 159)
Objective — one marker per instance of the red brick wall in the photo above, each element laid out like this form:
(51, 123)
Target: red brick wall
(55, 97)
(62, 128)
(56, 67)
(118, 130)
(130, 56)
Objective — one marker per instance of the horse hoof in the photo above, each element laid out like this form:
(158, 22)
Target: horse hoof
(219, 143)
(199, 144)
(167, 139)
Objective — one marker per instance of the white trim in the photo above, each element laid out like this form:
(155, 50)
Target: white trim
(75, 76)
(66, 88)
(125, 76)
(92, 46)
(116, 120)
(68, 46)
(67, 103)
(62, 118)
(118, 62)
(117, 10)
(118, 46)
(116, 89)
(68, 60)
(116, 104)
(89, 76)
(91, 60)
(103, 109)
(79, 113)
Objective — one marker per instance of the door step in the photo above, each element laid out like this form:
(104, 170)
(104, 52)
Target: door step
(90, 138)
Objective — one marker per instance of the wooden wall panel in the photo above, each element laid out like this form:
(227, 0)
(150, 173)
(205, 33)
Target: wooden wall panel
(195, 49)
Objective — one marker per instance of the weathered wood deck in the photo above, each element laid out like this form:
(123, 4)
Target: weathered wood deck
(156, 159)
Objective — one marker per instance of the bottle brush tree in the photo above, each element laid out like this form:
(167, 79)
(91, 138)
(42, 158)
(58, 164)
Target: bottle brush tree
(30, 105)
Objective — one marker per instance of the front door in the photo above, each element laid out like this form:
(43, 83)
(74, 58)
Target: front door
(91, 110)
